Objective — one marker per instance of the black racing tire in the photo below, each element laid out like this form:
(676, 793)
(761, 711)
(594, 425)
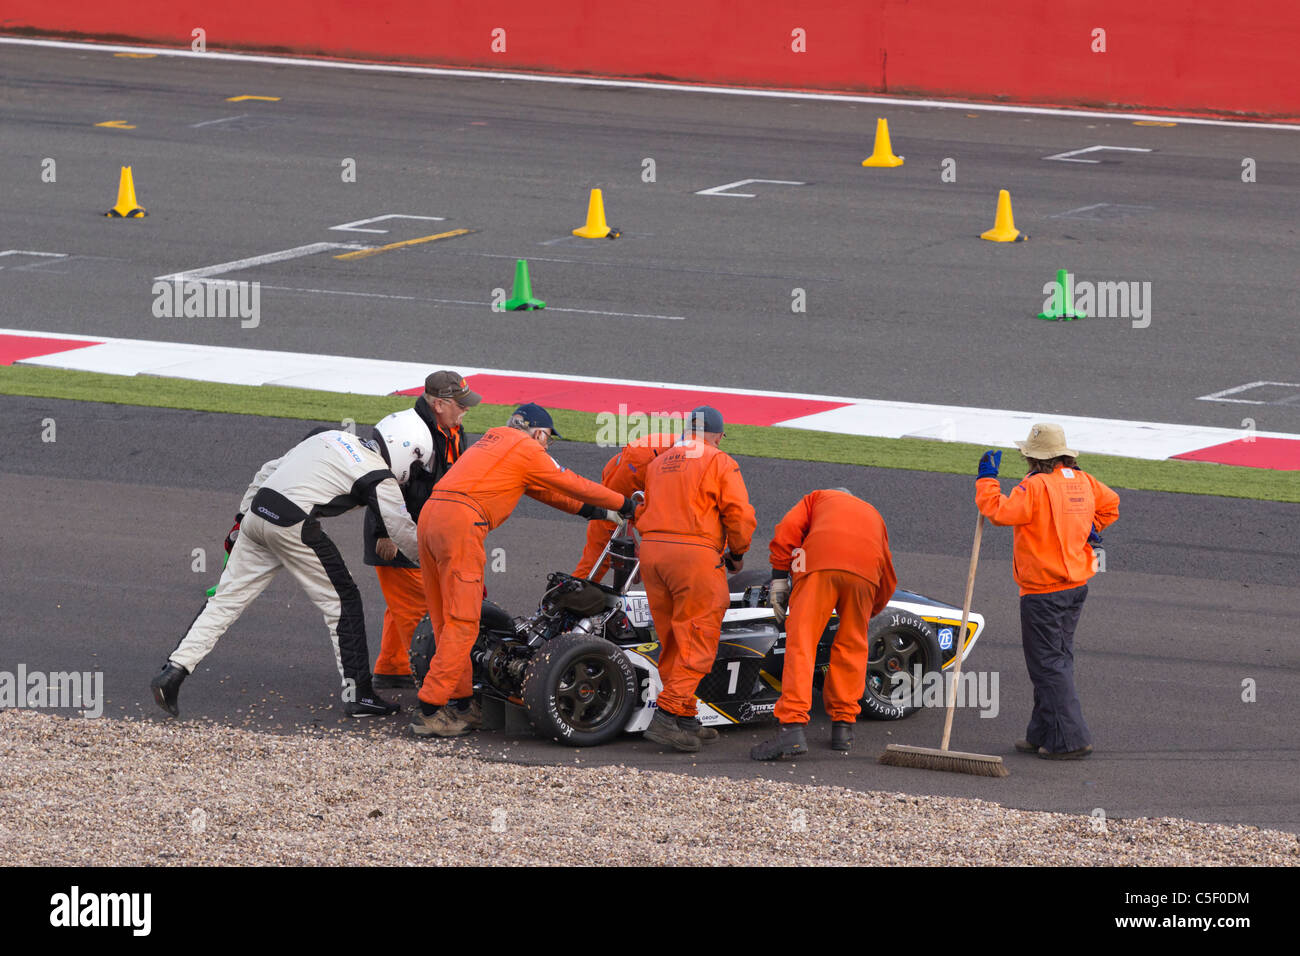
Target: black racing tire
(492, 616)
(899, 641)
(421, 650)
(580, 690)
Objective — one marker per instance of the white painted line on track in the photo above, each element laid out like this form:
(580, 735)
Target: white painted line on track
(644, 85)
(618, 315)
(1067, 157)
(283, 255)
(1222, 396)
(723, 189)
(355, 226)
(45, 256)
(225, 119)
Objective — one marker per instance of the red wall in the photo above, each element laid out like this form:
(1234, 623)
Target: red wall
(1192, 55)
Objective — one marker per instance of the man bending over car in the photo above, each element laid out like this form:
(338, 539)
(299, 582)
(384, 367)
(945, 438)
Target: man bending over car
(834, 547)
(696, 520)
(476, 495)
(328, 473)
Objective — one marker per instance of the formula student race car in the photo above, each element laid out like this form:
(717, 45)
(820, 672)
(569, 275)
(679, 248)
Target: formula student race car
(585, 665)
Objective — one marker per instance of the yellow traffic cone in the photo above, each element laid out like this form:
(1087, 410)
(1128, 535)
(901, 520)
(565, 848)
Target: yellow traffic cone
(883, 154)
(596, 227)
(1004, 226)
(127, 207)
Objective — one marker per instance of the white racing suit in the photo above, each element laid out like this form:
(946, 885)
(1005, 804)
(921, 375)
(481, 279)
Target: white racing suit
(326, 474)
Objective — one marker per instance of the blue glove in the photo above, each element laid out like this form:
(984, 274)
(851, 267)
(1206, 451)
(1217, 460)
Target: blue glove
(990, 464)
(1093, 536)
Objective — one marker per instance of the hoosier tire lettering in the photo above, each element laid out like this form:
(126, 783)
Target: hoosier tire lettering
(580, 690)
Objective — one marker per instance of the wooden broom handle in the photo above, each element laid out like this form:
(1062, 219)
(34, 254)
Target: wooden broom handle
(960, 641)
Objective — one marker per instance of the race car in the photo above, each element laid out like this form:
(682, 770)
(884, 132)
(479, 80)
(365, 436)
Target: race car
(585, 665)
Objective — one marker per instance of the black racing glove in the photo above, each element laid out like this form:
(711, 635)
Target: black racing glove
(734, 562)
(628, 509)
(589, 511)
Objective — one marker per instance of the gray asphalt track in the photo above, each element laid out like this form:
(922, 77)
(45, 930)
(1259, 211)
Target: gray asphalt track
(1199, 595)
(903, 301)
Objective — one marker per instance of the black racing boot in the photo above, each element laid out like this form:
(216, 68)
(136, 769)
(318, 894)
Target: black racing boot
(842, 735)
(368, 703)
(789, 742)
(167, 686)
(693, 724)
(667, 729)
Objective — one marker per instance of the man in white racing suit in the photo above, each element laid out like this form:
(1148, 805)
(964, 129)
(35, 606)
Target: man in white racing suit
(328, 473)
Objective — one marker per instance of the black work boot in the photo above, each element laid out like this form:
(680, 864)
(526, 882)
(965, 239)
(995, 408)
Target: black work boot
(789, 742)
(666, 729)
(698, 729)
(167, 686)
(842, 735)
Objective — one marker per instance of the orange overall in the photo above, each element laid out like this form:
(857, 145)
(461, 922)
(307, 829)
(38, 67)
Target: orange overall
(1052, 515)
(476, 495)
(403, 590)
(624, 473)
(403, 587)
(696, 504)
(839, 550)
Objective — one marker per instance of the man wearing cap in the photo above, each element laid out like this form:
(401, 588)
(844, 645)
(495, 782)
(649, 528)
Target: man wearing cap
(835, 548)
(624, 473)
(445, 400)
(696, 525)
(476, 495)
(1056, 512)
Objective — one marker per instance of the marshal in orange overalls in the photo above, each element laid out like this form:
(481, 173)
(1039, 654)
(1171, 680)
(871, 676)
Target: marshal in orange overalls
(696, 504)
(624, 473)
(838, 548)
(476, 495)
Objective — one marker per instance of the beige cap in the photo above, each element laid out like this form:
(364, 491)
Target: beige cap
(1046, 440)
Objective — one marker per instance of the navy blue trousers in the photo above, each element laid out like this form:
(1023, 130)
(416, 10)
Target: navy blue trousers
(1047, 623)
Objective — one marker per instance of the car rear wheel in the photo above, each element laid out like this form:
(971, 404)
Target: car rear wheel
(492, 617)
(580, 690)
(904, 648)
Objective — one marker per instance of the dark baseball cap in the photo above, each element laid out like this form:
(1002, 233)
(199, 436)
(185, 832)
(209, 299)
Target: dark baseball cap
(707, 419)
(449, 385)
(535, 416)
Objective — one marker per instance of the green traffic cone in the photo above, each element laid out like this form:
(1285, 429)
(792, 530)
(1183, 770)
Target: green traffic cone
(521, 299)
(1063, 300)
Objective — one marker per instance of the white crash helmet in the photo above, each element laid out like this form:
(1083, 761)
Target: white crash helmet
(408, 441)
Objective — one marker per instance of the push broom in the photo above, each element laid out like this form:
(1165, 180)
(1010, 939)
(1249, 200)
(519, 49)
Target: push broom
(924, 758)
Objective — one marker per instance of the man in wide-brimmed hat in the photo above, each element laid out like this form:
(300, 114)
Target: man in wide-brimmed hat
(1056, 512)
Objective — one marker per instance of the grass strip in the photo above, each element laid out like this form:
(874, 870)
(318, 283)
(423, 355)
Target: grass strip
(1185, 477)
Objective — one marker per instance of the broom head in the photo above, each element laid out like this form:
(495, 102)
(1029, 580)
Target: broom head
(925, 758)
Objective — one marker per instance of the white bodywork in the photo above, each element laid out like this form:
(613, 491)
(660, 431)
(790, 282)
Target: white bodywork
(638, 611)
